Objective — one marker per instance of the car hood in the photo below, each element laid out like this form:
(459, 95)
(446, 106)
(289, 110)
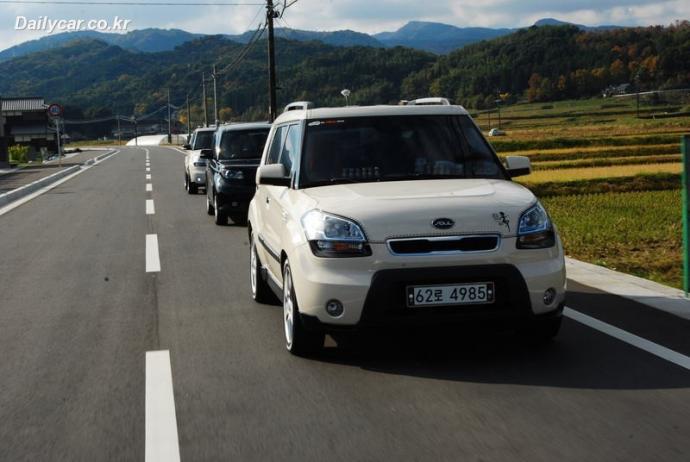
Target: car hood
(408, 208)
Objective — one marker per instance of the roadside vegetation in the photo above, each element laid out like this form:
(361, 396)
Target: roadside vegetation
(610, 180)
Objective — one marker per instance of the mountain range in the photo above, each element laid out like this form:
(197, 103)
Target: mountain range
(427, 36)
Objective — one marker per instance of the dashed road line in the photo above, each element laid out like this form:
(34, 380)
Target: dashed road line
(148, 169)
(162, 443)
(150, 207)
(148, 176)
(153, 261)
(631, 339)
(149, 187)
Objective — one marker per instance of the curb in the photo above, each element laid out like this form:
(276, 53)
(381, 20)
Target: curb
(640, 290)
(25, 190)
(35, 186)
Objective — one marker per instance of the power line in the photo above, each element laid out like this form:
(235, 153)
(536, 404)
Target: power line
(72, 2)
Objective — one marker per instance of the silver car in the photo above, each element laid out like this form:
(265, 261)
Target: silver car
(194, 166)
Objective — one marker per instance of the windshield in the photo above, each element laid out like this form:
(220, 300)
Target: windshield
(203, 140)
(243, 144)
(368, 149)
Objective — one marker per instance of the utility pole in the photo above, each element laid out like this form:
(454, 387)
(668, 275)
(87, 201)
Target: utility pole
(272, 106)
(203, 84)
(59, 147)
(169, 120)
(119, 132)
(215, 96)
(189, 119)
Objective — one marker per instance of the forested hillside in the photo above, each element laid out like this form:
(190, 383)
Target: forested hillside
(552, 62)
(95, 79)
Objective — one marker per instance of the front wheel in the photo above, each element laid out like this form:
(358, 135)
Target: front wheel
(219, 217)
(298, 340)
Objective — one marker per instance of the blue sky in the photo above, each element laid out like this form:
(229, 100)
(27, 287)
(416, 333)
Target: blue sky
(361, 15)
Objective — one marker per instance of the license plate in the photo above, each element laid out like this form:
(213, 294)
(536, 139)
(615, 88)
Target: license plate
(456, 294)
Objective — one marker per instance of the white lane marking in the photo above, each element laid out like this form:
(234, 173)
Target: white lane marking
(148, 176)
(148, 169)
(9, 207)
(149, 187)
(162, 443)
(631, 339)
(150, 207)
(153, 260)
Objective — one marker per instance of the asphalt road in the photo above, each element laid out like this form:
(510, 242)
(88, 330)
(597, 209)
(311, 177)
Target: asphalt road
(78, 312)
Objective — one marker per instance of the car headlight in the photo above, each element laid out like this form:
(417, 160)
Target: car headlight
(535, 230)
(333, 236)
(233, 174)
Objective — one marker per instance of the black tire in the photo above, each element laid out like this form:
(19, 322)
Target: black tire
(186, 182)
(219, 217)
(193, 188)
(298, 340)
(541, 331)
(209, 206)
(261, 292)
(239, 218)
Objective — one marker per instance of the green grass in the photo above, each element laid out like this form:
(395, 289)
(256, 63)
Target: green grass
(637, 232)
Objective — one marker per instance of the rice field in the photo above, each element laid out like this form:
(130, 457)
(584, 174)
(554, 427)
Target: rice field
(588, 173)
(610, 181)
(638, 233)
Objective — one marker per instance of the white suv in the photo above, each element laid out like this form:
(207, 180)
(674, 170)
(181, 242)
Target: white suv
(398, 216)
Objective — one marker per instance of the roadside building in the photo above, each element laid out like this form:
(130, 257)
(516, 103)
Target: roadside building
(26, 123)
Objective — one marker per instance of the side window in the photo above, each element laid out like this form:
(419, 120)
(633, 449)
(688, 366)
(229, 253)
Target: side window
(293, 142)
(276, 145)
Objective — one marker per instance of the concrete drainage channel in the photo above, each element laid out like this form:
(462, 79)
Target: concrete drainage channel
(24, 191)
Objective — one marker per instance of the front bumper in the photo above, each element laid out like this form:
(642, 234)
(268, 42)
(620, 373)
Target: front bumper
(234, 198)
(373, 289)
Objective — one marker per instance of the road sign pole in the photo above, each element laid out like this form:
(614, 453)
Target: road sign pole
(686, 213)
(59, 150)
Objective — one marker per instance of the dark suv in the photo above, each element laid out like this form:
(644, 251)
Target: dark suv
(231, 170)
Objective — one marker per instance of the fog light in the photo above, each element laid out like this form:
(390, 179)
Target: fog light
(334, 308)
(549, 296)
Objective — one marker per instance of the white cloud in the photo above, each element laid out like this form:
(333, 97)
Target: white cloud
(362, 15)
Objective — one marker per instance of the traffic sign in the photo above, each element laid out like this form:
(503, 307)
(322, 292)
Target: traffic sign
(55, 110)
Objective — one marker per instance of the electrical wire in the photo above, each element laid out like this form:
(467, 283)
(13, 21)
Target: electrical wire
(85, 3)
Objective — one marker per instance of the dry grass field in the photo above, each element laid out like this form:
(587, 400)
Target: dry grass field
(610, 180)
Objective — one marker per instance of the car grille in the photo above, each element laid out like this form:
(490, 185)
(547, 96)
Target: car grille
(444, 245)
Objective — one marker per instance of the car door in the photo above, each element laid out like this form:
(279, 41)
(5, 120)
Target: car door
(263, 198)
(278, 215)
(212, 165)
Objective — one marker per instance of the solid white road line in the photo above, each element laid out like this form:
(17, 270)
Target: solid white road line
(631, 339)
(162, 442)
(148, 176)
(153, 261)
(150, 207)
(149, 187)
(34, 195)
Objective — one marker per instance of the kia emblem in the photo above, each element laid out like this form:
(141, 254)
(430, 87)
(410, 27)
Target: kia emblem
(443, 223)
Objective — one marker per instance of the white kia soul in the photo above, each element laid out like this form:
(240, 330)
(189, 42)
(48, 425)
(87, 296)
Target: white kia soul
(398, 216)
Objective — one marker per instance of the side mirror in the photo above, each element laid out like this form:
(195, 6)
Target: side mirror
(206, 154)
(186, 147)
(273, 175)
(518, 166)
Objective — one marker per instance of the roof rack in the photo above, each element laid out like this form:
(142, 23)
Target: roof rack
(299, 106)
(429, 102)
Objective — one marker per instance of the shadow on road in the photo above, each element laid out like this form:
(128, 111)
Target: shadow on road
(579, 357)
